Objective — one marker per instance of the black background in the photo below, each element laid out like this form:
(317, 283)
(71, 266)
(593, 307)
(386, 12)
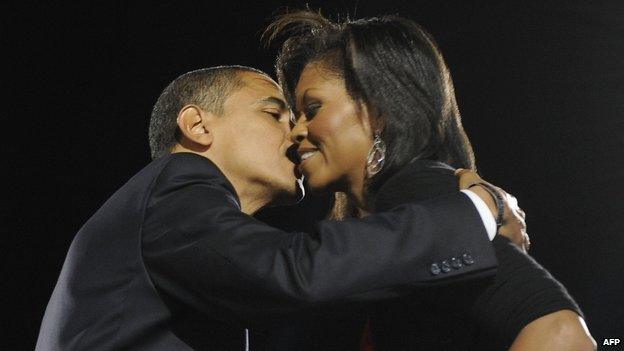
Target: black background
(540, 85)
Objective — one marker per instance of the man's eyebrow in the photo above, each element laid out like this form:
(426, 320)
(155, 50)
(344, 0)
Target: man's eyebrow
(274, 100)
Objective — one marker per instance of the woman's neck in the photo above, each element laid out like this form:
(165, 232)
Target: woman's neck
(360, 199)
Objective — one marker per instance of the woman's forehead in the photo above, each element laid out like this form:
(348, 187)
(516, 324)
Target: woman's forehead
(317, 76)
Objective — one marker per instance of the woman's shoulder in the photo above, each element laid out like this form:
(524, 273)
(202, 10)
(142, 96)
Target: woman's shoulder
(419, 180)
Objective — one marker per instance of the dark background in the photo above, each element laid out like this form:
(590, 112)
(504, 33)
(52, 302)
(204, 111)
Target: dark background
(540, 86)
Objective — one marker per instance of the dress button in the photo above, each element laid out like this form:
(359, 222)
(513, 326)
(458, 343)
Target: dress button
(445, 266)
(467, 258)
(435, 269)
(456, 263)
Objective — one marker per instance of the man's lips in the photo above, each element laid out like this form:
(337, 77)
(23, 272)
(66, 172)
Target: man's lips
(293, 156)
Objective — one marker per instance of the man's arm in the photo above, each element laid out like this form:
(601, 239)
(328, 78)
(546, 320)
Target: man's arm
(201, 250)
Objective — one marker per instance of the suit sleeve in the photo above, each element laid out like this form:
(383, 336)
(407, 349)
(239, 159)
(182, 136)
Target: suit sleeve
(202, 251)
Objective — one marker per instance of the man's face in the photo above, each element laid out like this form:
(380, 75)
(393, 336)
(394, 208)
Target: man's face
(253, 139)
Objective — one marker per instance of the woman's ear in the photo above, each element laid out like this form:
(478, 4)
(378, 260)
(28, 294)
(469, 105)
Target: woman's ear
(193, 125)
(371, 120)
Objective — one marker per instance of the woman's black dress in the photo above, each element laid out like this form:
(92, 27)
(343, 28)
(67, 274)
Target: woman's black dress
(485, 314)
(481, 315)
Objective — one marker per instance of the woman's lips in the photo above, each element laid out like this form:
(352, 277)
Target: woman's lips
(306, 153)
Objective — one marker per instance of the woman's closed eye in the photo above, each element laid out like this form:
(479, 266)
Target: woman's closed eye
(311, 110)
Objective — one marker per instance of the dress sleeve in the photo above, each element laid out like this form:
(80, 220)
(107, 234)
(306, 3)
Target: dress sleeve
(521, 292)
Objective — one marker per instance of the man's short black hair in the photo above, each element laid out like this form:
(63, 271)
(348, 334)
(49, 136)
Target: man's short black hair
(207, 88)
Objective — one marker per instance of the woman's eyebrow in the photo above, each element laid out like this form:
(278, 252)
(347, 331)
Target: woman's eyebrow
(306, 97)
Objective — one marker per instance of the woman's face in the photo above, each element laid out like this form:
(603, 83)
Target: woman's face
(332, 130)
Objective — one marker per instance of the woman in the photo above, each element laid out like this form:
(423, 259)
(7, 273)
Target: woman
(376, 120)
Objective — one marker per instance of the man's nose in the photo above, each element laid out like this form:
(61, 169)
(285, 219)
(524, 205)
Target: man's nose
(299, 132)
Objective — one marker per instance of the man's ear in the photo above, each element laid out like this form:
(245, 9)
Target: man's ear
(193, 124)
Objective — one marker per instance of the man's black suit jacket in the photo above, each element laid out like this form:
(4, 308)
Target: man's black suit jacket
(170, 262)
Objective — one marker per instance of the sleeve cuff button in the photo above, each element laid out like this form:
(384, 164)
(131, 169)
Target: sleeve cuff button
(446, 266)
(456, 263)
(435, 269)
(467, 259)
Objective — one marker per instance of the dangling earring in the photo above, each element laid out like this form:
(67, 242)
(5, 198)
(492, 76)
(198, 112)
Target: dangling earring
(376, 157)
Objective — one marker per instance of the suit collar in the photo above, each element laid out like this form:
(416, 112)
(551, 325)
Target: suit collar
(188, 162)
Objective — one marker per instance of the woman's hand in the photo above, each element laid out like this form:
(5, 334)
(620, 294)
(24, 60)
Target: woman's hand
(514, 225)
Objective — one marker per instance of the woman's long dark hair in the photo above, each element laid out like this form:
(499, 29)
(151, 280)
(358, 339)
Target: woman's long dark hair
(391, 65)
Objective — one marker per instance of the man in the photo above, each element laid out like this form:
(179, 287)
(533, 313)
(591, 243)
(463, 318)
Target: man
(173, 261)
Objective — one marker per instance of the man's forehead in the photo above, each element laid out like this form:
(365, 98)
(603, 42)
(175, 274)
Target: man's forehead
(261, 88)
(259, 80)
